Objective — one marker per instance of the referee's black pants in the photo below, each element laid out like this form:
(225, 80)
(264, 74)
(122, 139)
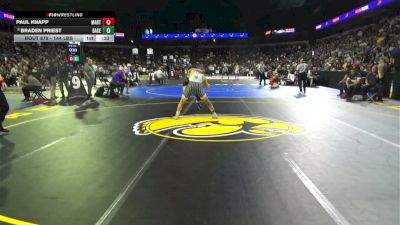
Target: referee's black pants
(302, 81)
(3, 106)
(263, 78)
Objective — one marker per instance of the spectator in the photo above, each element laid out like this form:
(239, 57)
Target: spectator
(135, 78)
(382, 68)
(395, 58)
(225, 70)
(211, 69)
(236, 71)
(12, 79)
(353, 82)
(168, 70)
(52, 76)
(63, 77)
(128, 76)
(312, 76)
(159, 75)
(370, 81)
(94, 66)
(101, 72)
(342, 82)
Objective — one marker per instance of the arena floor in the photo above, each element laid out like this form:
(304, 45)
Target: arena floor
(271, 158)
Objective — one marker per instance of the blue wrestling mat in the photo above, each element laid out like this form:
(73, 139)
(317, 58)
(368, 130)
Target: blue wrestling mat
(216, 91)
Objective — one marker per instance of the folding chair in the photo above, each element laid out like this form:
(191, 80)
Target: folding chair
(38, 96)
(108, 89)
(371, 94)
(106, 85)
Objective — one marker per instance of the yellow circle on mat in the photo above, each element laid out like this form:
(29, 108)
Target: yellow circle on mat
(227, 128)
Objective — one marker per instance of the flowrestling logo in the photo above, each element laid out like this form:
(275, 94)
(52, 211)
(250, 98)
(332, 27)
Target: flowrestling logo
(227, 128)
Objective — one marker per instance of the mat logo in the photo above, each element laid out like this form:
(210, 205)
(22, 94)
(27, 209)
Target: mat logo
(227, 128)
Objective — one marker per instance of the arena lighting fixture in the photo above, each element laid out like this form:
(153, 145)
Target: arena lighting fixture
(7, 16)
(347, 15)
(284, 31)
(119, 35)
(280, 31)
(195, 36)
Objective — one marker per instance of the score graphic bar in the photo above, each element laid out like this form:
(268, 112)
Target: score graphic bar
(63, 38)
(59, 14)
(61, 30)
(59, 22)
(64, 26)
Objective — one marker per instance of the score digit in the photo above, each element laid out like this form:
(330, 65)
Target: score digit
(108, 21)
(108, 30)
(76, 82)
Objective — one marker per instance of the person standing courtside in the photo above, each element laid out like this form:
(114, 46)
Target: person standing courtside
(52, 76)
(88, 73)
(261, 71)
(236, 71)
(3, 106)
(301, 71)
(94, 66)
(63, 77)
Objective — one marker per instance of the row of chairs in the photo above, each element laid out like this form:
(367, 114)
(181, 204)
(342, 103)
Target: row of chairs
(38, 97)
(106, 89)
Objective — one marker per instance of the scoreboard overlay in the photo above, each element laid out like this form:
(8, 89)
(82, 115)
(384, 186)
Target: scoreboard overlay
(35, 26)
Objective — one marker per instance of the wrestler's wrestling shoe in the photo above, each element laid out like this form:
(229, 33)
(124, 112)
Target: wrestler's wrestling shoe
(214, 115)
(176, 116)
(198, 105)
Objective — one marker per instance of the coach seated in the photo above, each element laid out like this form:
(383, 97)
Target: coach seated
(353, 82)
(312, 76)
(29, 83)
(373, 85)
(118, 80)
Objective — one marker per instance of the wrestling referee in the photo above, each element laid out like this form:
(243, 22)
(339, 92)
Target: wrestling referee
(301, 71)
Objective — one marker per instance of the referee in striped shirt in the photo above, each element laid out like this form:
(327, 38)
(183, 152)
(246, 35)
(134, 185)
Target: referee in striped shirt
(301, 71)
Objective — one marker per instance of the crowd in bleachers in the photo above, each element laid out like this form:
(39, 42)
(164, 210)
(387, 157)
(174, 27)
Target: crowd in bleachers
(373, 45)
